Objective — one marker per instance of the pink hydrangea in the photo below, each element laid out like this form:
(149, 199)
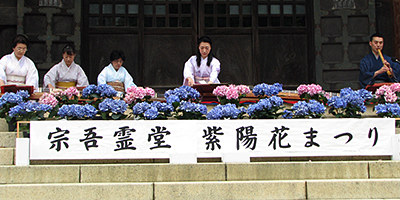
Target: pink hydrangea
(395, 87)
(328, 95)
(149, 92)
(382, 90)
(48, 99)
(314, 89)
(390, 97)
(232, 93)
(311, 89)
(57, 92)
(220, 91)
(70, 92)
(129, 98)
(243, 89)
(136, 92)
(302, 89)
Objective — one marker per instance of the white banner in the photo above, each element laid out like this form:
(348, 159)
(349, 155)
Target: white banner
(131, 139)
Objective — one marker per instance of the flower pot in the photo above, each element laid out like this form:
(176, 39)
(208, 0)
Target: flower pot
(12, 124)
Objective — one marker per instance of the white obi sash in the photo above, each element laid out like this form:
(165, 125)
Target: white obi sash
(198, 79)
(17, 80)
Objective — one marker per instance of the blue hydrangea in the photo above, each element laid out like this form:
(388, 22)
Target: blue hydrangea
(268, 90)
(287, 114)
(273, 102)
(151, 113)
(28, 107)
(182, 93)
(316, 107)
(388, 110)
(140, 108)
(89, 90)
(228, 111)
(106, 90)
(113, 105)
(162, 107)
(24, 94)
(301, 109)
(242, 110)
(77, 111)
(10, 97)
(192, 107)
(350, 99)
(337, 102)
(89, 110)
(172, 98)
(365, 94)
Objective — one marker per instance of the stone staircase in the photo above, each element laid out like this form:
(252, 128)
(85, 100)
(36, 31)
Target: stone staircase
(263, 178)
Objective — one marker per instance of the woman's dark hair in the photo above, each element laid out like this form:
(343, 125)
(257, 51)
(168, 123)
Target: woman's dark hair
(198, 56)
(20, 39)
(117, 54)
(69, 49)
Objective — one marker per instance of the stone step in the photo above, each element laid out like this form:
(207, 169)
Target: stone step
(3, 125)
(7, 156)
(112, 173)
(289, 189)
(7, 139)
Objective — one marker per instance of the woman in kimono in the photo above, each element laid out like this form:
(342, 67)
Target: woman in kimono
(16, 68)
(66, 73)
(115, 74)
(202, 68)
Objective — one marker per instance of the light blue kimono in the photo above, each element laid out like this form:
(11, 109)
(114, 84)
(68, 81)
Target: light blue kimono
(109, 74)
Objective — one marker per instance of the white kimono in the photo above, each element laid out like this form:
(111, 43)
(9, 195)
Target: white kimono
(204, 72)
(11, 66)
(108, 74)
(61, 73)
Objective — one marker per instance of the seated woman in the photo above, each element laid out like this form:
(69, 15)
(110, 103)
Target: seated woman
(66, 73)
(202, 68)
(16, 68)
(115, 74)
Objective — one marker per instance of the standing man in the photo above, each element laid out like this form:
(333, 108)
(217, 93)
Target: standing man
(16, 68)
(373, 69)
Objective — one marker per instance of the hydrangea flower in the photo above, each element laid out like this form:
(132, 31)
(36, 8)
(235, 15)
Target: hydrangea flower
(106, 90)
(23, 93)
(387, 94)
(303, 109)
(140, 108)
(184, 93)
(192, 107)
(231, 94)
(350, 103)
(71, 92)
(89, 90)
(312, 91)
(388, 110)
(264, 89)
(138, 94)
(48, 99)
(75, 111)
(29, 110)
(155, 110)
(228, 111)
(113, 105)
(162, 107)
(267, 108)
(151, 113)
(10, 97)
